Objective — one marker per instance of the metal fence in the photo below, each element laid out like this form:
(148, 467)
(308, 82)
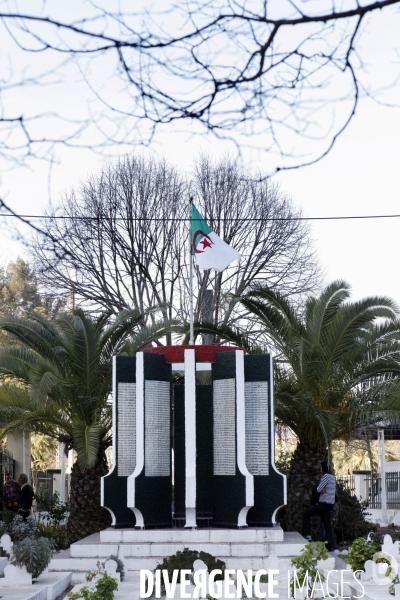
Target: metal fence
(7, 464)
(347, 481)
(374, 490)
(44, 484)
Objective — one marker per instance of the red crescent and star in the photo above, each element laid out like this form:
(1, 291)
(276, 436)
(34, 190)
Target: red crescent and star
(206, 242)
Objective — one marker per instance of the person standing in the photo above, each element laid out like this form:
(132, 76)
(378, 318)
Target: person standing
(11, 492)
(26, 497)
(324, 508)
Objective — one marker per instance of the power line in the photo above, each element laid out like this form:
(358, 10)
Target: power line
(104, 218)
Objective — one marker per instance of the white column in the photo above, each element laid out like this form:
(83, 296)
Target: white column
(62, 479)
(357, 486)
(139, 440)
(190, 438)
(381, 436)
(19, 444)
(70, 460)
(114, 438)
(23, 453)
(241, 438)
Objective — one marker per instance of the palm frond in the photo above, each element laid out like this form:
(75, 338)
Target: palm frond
(149, 334)
(87, 442)
(17, 362)
(35, 332)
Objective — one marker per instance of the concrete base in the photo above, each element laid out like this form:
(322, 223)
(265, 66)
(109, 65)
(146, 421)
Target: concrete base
(145, 549)
(248, 535)
(47, 587)
(3, 564)
(374, 515)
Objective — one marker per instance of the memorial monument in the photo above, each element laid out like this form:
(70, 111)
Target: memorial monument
(188, 454)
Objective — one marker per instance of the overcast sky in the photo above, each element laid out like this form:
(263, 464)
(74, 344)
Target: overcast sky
(360, 176)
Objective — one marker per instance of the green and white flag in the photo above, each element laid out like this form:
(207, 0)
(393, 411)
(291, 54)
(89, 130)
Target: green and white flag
(211, 252)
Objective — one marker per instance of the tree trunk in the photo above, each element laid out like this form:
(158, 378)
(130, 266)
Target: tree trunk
(86, 514)
(304, 475)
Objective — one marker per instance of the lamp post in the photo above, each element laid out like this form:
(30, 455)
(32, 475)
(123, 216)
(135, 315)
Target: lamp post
(381, 446)
(62, 479)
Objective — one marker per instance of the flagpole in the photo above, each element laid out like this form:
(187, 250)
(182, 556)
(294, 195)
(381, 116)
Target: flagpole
(191, 339)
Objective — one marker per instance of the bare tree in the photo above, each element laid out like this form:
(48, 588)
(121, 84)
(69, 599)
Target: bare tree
(126, 238)
(241, 69)
(123, 236)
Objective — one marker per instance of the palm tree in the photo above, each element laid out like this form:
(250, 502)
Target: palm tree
(337, 370)
(58, 382)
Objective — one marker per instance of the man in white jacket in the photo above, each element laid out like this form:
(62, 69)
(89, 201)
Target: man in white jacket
(324, 508)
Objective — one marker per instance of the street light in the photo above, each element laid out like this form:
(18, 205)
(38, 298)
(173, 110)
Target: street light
(381, 445)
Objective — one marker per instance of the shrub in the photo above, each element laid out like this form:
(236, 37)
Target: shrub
(3, 528)
(7, 516)
(283, 461)
(263, 578)
(57, 533)
(103, 590)
(56, 510)
(350, 522)
(20, 529)
(280, 517)
(306, 567)
(376, 537)
(120, 565)
(184, 560)
(34, 554)
(360, 552)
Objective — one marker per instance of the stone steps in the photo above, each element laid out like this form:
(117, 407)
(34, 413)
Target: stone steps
(82, 565)
(157, 550)
(199, 536)
(145, 549)
(48, 586)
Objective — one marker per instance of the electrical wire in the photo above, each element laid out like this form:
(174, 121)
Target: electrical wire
(256, 219)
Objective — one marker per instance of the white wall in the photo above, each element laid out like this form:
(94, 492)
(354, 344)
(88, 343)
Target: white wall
(19, 444)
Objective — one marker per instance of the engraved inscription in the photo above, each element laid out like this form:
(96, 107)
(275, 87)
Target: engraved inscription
(157, 428)
(257, 417)
(224, 427)
(126, 429)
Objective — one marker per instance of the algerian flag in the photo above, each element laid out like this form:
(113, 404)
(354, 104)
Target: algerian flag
(211, 252)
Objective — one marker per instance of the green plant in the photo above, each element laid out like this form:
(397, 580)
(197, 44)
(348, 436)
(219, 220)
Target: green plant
(184, 560)
(56, 511)
(391, 586)
(104, 588)
(6, 516)
(351, 522)
(306, 567)
(3, 528)
(57, 533)
(330, 347)
(120, 565)
(263, 578)
(20, 529)
(360, 552)
(376, 537)
(283, 460)
(34, 554)
(59, 380)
